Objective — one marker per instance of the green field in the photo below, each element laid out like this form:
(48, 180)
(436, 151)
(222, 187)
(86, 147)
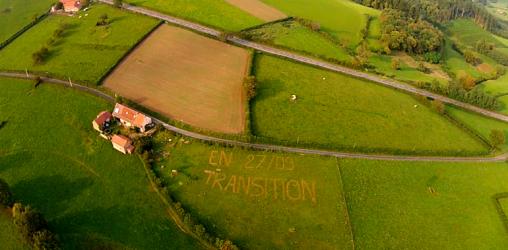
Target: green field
(216, 13)
(498, 87)
(93, 196)
(260, 200)
(344, 113)
(10, 237)
(455, 62)
(468, 33)
(407, 205)
(343, 19)
(14, 15)
(383, 65)
(85, 52)
(293, 35)
(480, 124)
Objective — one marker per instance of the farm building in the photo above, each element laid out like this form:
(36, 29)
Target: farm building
(131, 118)
(122, 144)
(71, 5)
(102, 119)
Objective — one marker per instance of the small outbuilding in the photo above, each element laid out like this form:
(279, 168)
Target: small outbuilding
(131, 118)
(71, 5)
(101, 121)
(122, 144)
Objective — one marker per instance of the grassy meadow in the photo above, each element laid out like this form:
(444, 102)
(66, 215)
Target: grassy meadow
(339, 112)
(480, 124)
(85, 52)
(292, 35)
(93, 196)
(14, 15)
(400, 205)
(258, 199)
(342, 19)
(216, 13)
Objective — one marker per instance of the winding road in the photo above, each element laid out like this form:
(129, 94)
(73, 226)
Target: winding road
(311, 61)
(259, 146)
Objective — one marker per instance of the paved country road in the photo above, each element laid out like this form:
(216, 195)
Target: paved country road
(311, 61)
(259, 146)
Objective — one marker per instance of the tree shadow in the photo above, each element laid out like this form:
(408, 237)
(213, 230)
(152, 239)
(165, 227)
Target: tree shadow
(114, 228)
(50, 194)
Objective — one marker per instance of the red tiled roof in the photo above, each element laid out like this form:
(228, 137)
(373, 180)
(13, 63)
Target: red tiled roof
(102, 117)
(130, 115)
(71, 4)
(121, 141)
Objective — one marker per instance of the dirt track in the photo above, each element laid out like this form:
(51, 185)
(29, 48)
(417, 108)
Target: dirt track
(187, 77)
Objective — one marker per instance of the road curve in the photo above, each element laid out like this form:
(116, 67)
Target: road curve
(258, 146)
(312, 61)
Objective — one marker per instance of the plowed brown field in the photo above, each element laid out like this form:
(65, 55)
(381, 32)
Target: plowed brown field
(187, 77)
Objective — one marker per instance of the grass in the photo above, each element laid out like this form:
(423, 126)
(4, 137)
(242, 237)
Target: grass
(291, 34)
(346, 113)
(259, 215)
(345, 26)
(383, 64)
(400, 205)
(456, 63)
(14, 15)
(85, 52)
(469, 33)
(480, 124)
(216, 13)
(93, 196)
(498, 87)
(10, 237)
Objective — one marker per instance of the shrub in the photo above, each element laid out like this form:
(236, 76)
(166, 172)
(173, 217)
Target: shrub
(249, 83)
(395, 64)
(438, 106)
(497, 137)
(118, 3)
(433, 57)
(103, 20)
(58, 5)
(471, 58)
(45, 240)
(40, 55)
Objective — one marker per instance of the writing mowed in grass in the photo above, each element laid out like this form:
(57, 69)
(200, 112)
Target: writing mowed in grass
(261, 200)
(188, 77)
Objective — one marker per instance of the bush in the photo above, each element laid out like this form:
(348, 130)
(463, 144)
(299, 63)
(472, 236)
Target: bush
(5, 194)
(497, 137)
(41, 55)
(118, 3)
(433, 57)
(395, 64)
(33, 227)
(249, 83)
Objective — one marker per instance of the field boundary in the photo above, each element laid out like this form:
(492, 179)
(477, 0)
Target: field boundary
(128, 52)
(23, 30)
(266, 147)
(500, 210)
(346, 209)
(391, 83)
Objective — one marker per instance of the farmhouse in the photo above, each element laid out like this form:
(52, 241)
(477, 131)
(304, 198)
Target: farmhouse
(71, 5)
(131, 118)
(101, 121)
(122, 144)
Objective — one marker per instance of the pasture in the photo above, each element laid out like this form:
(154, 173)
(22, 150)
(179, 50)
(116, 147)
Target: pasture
(258, 9)
(188, 77)
(14, 15)
(93, 196)
(292, 35)
(400, 205)
(499, 88)
(468, 33)
(480, 124)
(344, 27)
(84, 51)
(216, 13)
(339, 112)
(258, 199)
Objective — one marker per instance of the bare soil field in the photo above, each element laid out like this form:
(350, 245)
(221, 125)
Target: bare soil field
(187, 77)
(258, 9)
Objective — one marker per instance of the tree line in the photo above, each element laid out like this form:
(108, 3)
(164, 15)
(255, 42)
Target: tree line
(439, 11)
(31, 224)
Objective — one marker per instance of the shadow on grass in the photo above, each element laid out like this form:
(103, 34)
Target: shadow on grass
(50, 194)
(113, 228)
